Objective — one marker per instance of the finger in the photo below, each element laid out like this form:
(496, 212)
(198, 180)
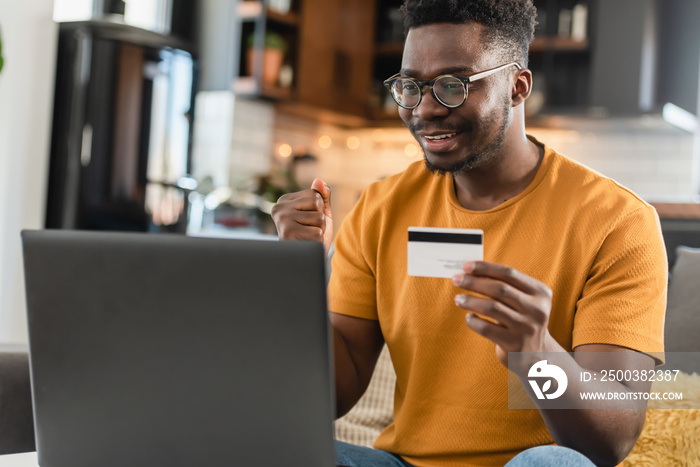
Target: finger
(310, 218)
(300, 195)
(497, 290)
(493, 332)
(312, 202)
(324, 190)
(495, 310)
(506, 274)
(302, 232)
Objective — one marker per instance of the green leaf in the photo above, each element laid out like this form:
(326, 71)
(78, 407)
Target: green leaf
(273, 40)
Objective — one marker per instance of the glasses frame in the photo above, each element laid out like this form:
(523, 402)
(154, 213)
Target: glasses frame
(465, 80)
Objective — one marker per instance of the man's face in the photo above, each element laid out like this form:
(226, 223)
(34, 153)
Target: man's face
(469, 136)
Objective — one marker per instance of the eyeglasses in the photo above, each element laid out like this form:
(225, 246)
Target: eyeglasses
(449, 90)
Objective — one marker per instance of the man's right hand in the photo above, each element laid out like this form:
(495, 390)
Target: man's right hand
(306, 215)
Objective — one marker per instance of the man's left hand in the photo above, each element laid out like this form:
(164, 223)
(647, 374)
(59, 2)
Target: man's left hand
(518, 305)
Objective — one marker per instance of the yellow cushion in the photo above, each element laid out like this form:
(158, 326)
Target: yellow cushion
(671, 435)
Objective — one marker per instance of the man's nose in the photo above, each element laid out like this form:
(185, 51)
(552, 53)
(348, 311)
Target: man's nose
(430, 107)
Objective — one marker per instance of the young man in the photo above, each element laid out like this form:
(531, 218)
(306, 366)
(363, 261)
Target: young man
(573, 263)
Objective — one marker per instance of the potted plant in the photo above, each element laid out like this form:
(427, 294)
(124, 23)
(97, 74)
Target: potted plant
(272, 57)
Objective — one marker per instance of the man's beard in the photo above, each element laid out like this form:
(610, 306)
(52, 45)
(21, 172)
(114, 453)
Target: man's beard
(479, 157)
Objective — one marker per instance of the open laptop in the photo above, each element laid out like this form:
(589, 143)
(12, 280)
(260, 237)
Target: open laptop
(162, 350)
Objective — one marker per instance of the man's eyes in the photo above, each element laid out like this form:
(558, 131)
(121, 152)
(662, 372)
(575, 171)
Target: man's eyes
(410, 87)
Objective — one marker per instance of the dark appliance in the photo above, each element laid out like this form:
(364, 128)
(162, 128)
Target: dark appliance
(122, 130)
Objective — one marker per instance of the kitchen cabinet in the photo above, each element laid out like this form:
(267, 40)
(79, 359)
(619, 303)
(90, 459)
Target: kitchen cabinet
(386, 59)
(335, 55)
(560, 56)
(328, 47)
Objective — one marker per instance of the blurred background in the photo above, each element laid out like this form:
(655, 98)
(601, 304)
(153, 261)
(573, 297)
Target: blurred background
(194, 116)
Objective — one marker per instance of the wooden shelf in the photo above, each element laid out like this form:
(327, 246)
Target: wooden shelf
(290, 18)
(249, 86)
(539, 44)
(310, 112)
(558, 44)
(677, 210)
(389, 48)
(276, 93)
(254, 10)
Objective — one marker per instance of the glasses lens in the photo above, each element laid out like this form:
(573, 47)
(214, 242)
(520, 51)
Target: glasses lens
(406, 92)
(450, 91)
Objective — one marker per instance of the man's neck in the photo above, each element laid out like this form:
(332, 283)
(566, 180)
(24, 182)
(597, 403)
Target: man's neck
(507, 176)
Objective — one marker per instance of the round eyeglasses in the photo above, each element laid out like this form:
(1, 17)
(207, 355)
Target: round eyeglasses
(449, 90)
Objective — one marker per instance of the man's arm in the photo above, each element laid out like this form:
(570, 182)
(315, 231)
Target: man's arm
(357, 343)
(520, 306)
(605, 435)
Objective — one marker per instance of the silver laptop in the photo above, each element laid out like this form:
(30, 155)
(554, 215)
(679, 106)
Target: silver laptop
(162, 350)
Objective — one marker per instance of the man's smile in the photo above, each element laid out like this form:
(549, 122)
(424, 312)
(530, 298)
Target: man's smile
(439, 142)
(439, 137)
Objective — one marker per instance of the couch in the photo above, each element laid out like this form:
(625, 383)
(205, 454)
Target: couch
(16, 420)
(670, 437)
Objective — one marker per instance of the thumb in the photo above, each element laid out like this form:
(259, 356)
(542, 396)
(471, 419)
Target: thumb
(325, 192)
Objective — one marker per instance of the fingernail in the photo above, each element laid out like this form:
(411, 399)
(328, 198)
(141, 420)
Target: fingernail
(459, 300)
(468, 267)
(469, 317)
(457, 279)
(329, 188)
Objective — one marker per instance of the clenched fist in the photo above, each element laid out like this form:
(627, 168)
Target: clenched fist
(305, 215)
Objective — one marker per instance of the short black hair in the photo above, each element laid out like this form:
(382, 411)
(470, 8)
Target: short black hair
(510, 23)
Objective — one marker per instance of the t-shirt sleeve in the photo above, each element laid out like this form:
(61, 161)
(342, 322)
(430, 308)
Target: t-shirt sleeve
(623, 302)
(352, 287)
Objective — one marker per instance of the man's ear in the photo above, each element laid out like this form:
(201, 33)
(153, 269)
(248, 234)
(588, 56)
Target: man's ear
(522, 86)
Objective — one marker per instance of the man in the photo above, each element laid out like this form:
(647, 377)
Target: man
(573, 263)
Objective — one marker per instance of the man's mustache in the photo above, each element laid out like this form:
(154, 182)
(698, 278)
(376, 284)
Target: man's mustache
(421, 126)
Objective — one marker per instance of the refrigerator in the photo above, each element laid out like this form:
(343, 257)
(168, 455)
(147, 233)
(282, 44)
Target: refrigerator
(122, 130)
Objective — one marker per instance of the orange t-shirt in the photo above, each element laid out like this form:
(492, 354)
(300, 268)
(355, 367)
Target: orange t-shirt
(594, 243)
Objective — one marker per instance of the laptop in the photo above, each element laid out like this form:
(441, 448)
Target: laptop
(164, 350)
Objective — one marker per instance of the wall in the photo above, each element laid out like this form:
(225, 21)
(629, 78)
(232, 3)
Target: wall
(26, 98)
(353, 159)
(645, 154)
(232, 138)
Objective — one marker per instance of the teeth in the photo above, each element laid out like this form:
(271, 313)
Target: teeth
(439, 137)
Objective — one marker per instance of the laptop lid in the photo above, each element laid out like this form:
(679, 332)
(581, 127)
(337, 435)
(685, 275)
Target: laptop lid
(154, 350)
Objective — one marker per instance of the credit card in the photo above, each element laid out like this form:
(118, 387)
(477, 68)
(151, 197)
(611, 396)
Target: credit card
(440, 252)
